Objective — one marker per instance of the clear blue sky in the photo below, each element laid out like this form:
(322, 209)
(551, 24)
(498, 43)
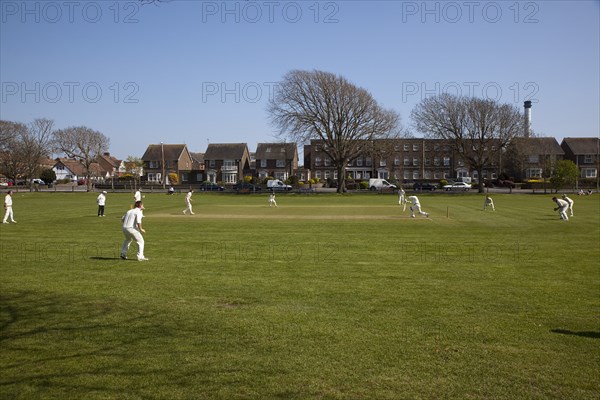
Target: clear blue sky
(198, 71)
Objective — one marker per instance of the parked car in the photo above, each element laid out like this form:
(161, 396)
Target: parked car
(276, 184)
(424, 186)
(380, 184)
(503, 183)
(211, 187)
(38, 182)
(246, 188)
(458, 186)
(4, 184)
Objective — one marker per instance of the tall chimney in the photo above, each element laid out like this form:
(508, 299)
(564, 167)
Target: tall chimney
(527, 127)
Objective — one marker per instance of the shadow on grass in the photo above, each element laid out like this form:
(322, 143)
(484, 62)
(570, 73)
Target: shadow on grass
(53, 344)
(105, 258)
(587, 334)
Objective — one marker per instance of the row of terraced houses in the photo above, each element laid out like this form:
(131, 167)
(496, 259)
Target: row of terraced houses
(403, 160)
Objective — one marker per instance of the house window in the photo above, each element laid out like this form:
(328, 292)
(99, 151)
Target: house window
(199, 177)
(317, 161)
(396, 161)
(280, 163)
(211, 163)
(327, 162)
(446, 161)
(383, 163)
(428, 161)
(436, 161)
(588, 159)
(415, 174)
(318, 174)
(153, 177)
(184, 177)
(427, 175)
(534, 173)
(406, 147)
(263, 163)
(229, 178)
(406, 175)
(368, 161)
(534, 158)
(383, 174)
(589, 173)
(406, 161)
(415, 161)
(326, 175)
(359, 162)
(281, 176)
(268, 149)
(436, 175)
(153, 164)
(415, 147)
(335, 174)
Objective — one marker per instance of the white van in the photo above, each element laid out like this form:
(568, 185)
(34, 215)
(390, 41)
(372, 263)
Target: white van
(379, 184)
(276, 184)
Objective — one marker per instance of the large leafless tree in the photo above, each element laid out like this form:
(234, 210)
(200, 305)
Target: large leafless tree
(23, 147)
(478, 129)
(321, 105)
(83, 144)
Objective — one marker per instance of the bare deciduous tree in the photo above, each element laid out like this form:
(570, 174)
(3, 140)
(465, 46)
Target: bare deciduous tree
(36, 143)
(83, 144)
(11, 163)
(320, 105)
(478, 129)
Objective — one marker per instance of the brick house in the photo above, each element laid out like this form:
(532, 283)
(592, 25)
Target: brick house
(585, 153)
(278, 160)
(532, 158)
(227, 162)
(163, 159)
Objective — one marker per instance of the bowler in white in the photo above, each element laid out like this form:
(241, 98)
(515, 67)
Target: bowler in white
(132, 229)
(188, 202)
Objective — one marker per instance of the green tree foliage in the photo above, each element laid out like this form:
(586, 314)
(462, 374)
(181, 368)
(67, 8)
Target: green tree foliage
(565, 174)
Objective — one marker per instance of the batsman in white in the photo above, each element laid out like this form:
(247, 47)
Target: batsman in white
(272, 201)
(416, 206)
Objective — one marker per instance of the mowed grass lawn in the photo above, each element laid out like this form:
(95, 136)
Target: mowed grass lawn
(325, 297)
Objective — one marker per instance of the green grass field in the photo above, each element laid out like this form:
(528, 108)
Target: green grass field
(325, 297)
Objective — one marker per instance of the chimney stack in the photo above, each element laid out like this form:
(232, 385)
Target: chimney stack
(527, 127)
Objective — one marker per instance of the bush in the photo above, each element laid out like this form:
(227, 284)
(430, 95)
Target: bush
(248, 179)
(364, 185)
(173, 178)
(443, 182)
(48, 175)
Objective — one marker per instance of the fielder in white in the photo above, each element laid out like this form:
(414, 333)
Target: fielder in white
(570, 202)
(488, 202)
(416, 206)
(272, 201)
(402, 199)
(101, 200)
(8, 211)
(137, 196)
(132, 229)
(188, 202)
(562, 208)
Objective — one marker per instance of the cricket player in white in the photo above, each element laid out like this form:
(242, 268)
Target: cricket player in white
(416, 206)
(188, 202)
(562, 208)
(402, 198)
(101, 200)
(488, 202)
(570, 202)
(8, 211)
(132, 229)
(272, 200)
(137, 195)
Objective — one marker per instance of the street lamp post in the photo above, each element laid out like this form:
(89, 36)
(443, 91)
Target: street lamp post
(162, 151)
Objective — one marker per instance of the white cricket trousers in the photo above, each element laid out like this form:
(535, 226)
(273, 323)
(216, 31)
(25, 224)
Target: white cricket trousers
(8, 214)
(562, 211)
(132, 234)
